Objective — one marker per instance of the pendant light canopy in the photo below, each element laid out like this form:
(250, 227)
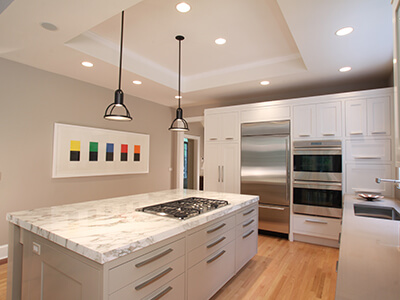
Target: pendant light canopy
(179, 124)
(118, 111)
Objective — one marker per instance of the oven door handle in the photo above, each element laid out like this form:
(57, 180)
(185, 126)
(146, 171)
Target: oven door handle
(337, 186)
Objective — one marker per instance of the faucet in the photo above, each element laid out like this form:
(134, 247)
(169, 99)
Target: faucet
(379, 180)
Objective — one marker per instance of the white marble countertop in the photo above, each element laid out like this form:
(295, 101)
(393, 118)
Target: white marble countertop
(104, 230)
(369, 257)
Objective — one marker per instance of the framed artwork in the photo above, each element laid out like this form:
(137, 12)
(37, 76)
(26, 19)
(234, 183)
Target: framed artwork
(86, 151)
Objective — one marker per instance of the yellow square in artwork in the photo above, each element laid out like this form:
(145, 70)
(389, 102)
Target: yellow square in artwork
(75, 146)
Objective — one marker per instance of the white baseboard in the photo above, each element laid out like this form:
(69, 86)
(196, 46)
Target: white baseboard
(3, 251)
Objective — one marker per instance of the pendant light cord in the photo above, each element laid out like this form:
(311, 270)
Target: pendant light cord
(120, 50)
(179, 75)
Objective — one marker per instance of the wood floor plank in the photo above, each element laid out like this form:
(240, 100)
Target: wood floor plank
(280, 270)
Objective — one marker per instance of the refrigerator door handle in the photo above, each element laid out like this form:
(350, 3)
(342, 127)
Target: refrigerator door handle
(219, 173)
(222, 174)
(271, 207)
(287, 171)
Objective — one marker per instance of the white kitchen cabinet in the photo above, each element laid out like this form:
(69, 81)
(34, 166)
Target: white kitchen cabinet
(361, 178)
(317, 120)
(378, 117)
(328, 228)
(222, 126)
(304, 120)
(368, 150)
(222, 167)
(329, 119)
(368, 117)
(246, 235)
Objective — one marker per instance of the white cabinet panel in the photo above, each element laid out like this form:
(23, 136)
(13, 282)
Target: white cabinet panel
(304, 121)
(329, 120)
(222, 126)
(262, 114)
(368, 150)
(378, 116)
(361, 178)
(356, 118)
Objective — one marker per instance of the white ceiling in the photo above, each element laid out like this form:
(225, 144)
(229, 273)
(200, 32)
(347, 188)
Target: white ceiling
(291, 43)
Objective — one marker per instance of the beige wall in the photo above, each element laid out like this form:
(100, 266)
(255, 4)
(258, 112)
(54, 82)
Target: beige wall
(31, 101)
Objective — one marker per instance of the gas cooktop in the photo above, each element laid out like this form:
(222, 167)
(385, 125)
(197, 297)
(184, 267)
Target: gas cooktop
(184, 208)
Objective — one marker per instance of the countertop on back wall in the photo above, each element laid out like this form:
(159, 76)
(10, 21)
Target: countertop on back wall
(104, 230)
(369, 257)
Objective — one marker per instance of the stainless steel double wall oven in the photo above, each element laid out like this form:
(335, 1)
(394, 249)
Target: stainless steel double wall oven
(317, 178)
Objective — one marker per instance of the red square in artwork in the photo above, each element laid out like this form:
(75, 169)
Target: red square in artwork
(124, 148)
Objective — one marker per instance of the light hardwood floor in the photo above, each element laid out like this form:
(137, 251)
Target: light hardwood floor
(280, 270)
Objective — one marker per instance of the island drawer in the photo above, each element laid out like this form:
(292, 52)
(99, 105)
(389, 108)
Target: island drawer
(210, 232)
(209, 275)
(317, 226)
(210, 247)
(246, 244)
(132, 270)
(246, 213)
(155, 283)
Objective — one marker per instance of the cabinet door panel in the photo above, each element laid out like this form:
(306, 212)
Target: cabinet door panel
(329, 120)
(379, 116)
(356, 118)
(230, 168)
(361, 178)
(303, 121)
(230, 126)
(212, 128)
(212, 168)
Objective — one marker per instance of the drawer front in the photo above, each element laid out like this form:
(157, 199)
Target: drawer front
(208, 276)
(210, 247)
(246, 244)
(368, 150)
(244, 227)
(246, 213)
(151, 283)
(132, 270)
(317, 226)
(210, 232)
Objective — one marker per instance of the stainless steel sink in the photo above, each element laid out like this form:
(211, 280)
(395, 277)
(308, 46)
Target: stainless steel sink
(380, 212)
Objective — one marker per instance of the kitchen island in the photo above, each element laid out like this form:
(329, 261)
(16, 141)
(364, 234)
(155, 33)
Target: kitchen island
(369, 256)
(106, 249)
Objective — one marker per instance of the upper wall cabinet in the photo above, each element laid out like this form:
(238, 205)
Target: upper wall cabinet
(222, 126)
(369, 117)
(317, 120)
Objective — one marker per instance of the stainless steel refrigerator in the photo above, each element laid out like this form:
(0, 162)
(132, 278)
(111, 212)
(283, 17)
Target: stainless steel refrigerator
(265, 171)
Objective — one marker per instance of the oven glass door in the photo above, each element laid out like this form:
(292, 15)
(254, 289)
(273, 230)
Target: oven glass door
(327, 194)
(328, 163)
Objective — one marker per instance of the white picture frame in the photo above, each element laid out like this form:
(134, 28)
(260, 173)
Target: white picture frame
(70, 139)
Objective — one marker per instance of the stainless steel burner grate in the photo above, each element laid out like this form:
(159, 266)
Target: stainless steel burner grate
(184, 208)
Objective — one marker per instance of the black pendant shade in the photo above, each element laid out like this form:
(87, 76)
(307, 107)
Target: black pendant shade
(179, 124)
(118, 111)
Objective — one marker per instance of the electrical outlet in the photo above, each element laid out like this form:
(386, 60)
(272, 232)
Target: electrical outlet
(36, 248)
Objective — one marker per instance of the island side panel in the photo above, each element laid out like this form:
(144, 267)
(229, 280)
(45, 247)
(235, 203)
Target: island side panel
(14, 267)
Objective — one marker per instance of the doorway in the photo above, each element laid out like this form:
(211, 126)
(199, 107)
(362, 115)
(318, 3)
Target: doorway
(191, 162)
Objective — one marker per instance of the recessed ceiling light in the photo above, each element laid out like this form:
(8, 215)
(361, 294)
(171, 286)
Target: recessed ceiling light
(137, 82)
(183, 7)
(49, 26)
(265, 82)
(220, 41)
(344, 31)
(345, 69)
(87, 64)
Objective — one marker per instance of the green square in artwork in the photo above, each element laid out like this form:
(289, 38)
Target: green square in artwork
(94, 147)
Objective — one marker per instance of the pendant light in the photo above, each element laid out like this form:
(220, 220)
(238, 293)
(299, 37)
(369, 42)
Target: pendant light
(121, 111)
(179, 124)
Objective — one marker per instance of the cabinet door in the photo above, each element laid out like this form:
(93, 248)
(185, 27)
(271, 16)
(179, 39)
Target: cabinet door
(329, 120)
(212, 128)
(230, 168)
(361, 178)
(303, 121)
(230, 126)
(378, 116)
(212, 167)
(356, 118)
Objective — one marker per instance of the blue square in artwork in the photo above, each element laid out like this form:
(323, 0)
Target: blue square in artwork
(110, 147)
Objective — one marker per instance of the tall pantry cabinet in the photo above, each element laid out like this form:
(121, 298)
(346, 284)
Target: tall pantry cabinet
(222, 152)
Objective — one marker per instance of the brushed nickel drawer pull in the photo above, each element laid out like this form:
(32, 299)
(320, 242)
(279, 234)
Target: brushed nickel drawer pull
(213, 139)
(229, 138)
(249, 212)
(316, 221)
(367, 157)
(247, 234)
(162, 293)
(216, 228)
(216, 242)
(151, 280)
(216, 257)
(378, 132)
(356, 133)
(248, 223)
(147, 261)
(328, 134)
